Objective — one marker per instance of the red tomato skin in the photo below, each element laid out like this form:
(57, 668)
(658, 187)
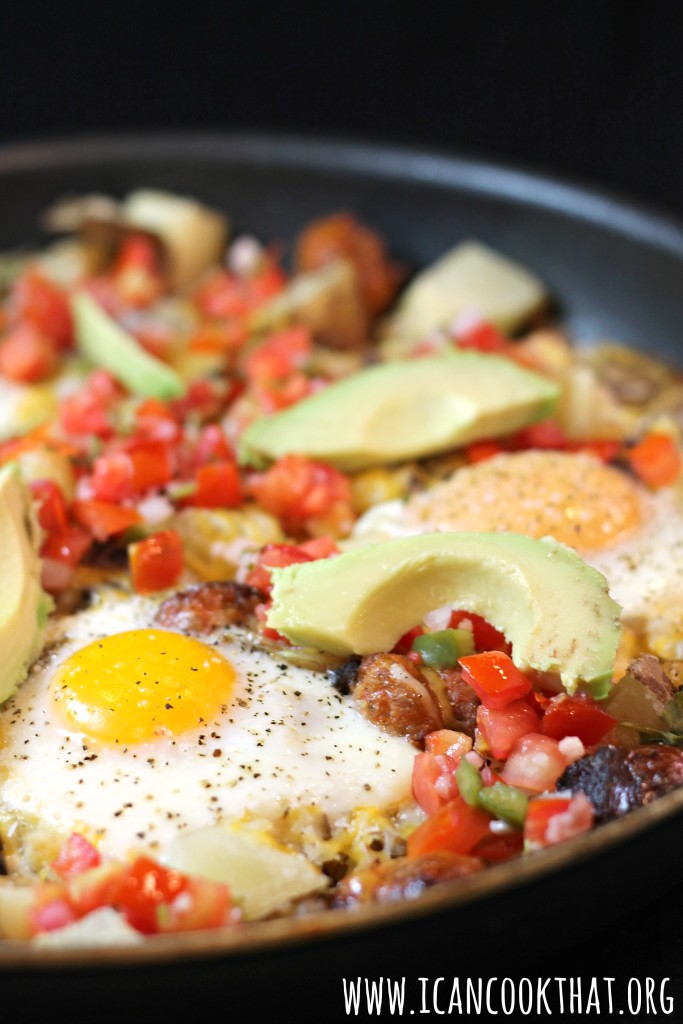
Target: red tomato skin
(104, 519)
(535, 763)
(495, 679)
(156, 563)
(76, 856)
(38, 301)
(501, 729)
(434, 781)
(539, 812)
(69, 546)
(27, 356)
(52, 510)
(486, 637)
(218, 486)
(456, 827)
(448, 741)
(579, 715)
(656, 460)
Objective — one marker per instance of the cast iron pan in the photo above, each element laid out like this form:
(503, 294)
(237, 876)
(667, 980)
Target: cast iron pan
(616, 271)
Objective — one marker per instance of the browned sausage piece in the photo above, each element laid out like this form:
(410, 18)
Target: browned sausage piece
(617, 781)
(462, 699)
(209, 606)
(403, 878)
(393, 694)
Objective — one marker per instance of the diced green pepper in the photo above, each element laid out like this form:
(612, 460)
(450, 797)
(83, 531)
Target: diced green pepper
(442, 648)
(506, 802)
(469, 782)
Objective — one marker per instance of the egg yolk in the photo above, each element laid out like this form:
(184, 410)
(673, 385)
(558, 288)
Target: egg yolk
(135, 686)
(572, 497)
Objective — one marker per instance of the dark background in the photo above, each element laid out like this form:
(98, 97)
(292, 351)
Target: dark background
(592, 88)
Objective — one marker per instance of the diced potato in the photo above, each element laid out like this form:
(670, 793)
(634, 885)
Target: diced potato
(328, 301)
(216, 540)
(194, 236)
(378, 485)
(15, 903)
(262, 876)
(469, 277)
(47, 464)
(24, 407)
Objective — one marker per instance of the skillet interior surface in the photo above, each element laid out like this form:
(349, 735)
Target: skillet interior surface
(616, 271)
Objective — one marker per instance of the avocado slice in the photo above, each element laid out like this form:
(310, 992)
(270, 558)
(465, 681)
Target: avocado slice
(106, 344)
(553, 608)
(404, 409)
(24, 606)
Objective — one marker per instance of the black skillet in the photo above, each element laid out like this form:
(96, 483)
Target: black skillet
(615, 271)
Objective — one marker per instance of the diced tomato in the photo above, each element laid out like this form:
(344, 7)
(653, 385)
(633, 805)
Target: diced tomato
(279, 355)
(456, 826)
(69, 546)
(277, 556)
(539, 812)
(142, 889)
(155, 898)
(297, 489)
(501, 729)
(534, 763)
(27, 355)
(448, 741)
(545, 435)
(51, 914)
(495, 679)
(434, 781)
(104, 519)
(656, 460)
(202, 904)
(37, 301)
(495, 849)
(226, 296)
(486, 637)
(156, 562)
(76, 855)
(404, 644)
(342, 236)
(480, 451)
(136, 273)
(552, 820)
(205, 399)
(218, 486)
(155, 421)
(218, 337)
(484, 337)
(119, 475)
(55, 576)
(604, 449)
(579, 715)
(212, 445)
(274, 395)
(88, 412)
(51, 506)
(89, 889)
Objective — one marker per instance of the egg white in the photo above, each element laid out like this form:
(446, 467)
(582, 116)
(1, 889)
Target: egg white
(287, 739)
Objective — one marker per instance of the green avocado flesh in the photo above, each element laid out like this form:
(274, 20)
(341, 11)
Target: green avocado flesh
(107, 345)
(405, 409)
(24, 606)
(553, 608)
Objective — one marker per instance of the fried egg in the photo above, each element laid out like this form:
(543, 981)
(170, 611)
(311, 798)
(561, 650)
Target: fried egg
(632, 535)
(131, 734)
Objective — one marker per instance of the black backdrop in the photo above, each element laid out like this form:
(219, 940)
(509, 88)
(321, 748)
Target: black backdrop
(589, 87)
